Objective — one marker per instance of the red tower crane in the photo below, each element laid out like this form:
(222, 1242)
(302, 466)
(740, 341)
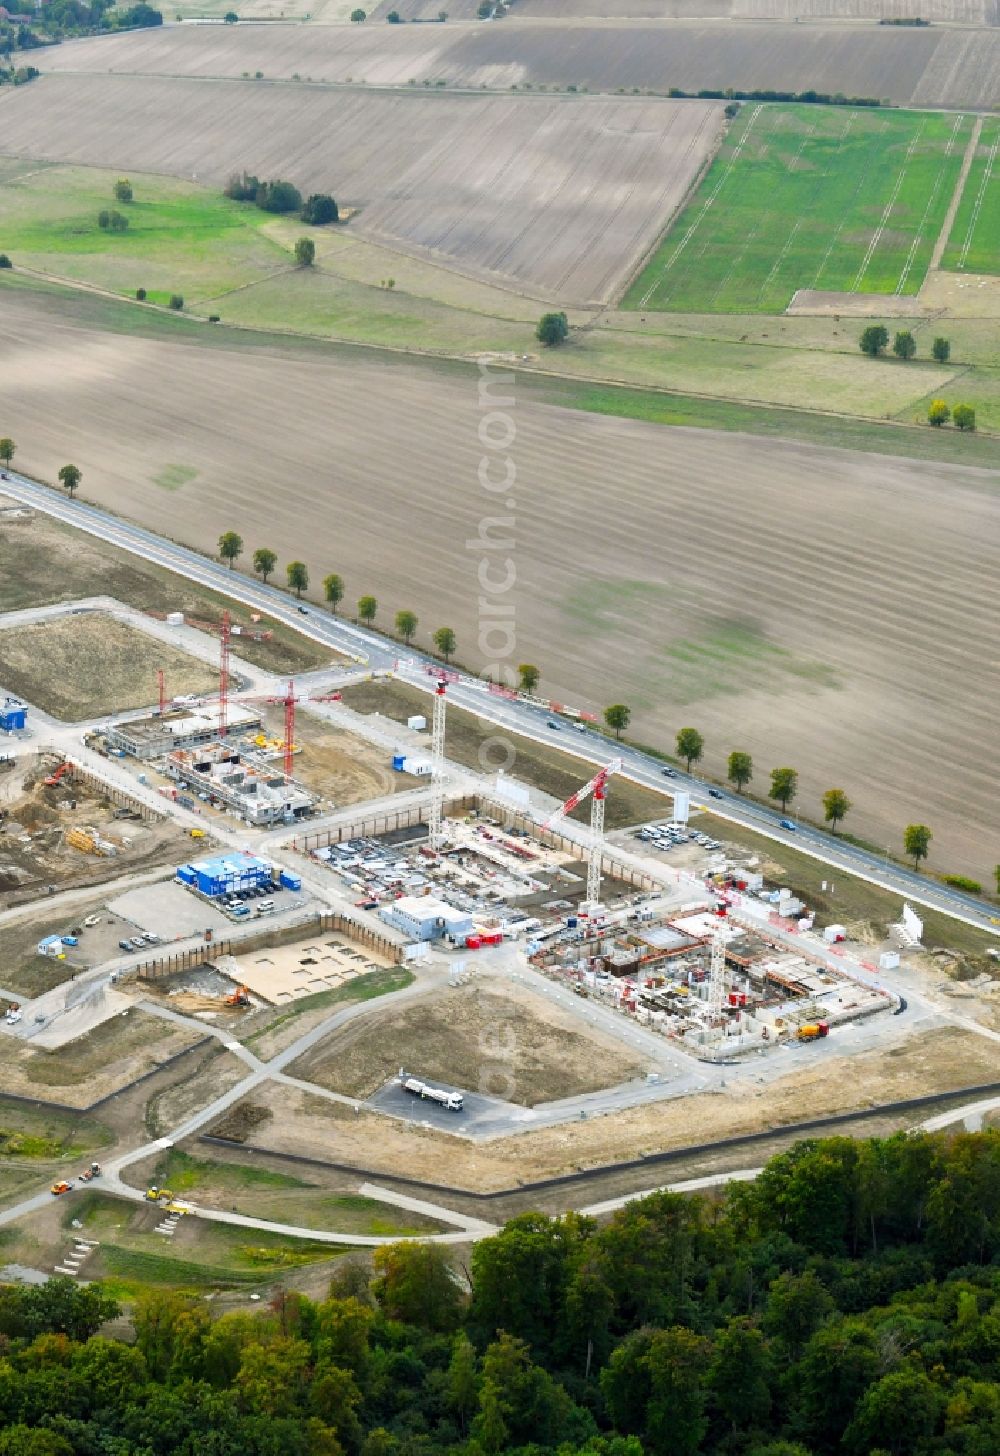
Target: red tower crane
(598, 788)
(288, 703)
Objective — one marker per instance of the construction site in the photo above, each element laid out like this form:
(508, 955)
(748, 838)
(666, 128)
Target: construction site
(343, 945)
(61, 827)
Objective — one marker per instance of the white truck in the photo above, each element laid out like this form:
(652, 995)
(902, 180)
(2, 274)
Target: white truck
(451, 1100)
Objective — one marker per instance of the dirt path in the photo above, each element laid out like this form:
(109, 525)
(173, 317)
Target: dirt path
(949, 218)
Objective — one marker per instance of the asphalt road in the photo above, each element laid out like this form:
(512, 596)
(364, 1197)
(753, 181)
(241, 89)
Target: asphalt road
(519, 717)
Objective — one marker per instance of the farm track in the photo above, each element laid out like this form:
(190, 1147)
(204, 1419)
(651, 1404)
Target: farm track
(852, 653)
(930, 67)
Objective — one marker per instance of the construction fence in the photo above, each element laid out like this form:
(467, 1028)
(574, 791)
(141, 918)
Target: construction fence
(173, 963)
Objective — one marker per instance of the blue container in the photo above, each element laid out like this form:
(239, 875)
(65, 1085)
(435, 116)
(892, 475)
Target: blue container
(290, 881)
(398, 759)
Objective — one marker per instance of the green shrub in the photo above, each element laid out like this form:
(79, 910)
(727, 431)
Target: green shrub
(962, 882)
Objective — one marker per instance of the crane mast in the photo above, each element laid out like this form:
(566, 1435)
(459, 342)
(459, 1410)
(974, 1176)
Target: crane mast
(596, 790)
(435, 812)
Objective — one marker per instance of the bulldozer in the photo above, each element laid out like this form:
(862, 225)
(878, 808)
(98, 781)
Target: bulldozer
(159, 1195)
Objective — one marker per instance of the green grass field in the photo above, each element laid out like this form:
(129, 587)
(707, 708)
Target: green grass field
(974, 245)
(809, 197)
(181, 238)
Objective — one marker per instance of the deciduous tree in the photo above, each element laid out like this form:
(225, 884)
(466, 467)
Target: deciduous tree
(963, 416)
(937, 413)
(7, 449)
(297, 576)
(367, 609)
(528, 676)
(333, 590)
(836, 806)
(445, 641)
(305, 252)
(415, 1284)
(916, 842)
(406, 625)
(264, 561)
(70, 477)
(553, 328)
(941, 350)
(873, 341)
(617, 718)
(123, 190)
(904, 345)
(740, 769)
(784, 786)
(690, 746)
(230, 546)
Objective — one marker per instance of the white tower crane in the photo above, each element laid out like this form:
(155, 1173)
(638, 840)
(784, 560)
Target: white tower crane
(598, 787)
(434, 815)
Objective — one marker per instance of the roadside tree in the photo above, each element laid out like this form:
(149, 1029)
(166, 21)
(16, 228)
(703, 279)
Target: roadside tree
(70, 477)
(836, 806)
(445, 641)
(784, 786)
(367, 609)
(618, 717)
(740, 769)
(230, 546)
(7, 449)
(963, 416)
(874, 339)
(690, 746)
(264, 561)
(333, 590)
(528, 676)
(937, 413)
(176, 302)
(917, 842)
(406, 625)
(358, 16)
(904, 345)
(941, 350)
(297, 575)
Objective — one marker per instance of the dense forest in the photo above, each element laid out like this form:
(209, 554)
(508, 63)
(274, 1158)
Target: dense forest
(846, 1301)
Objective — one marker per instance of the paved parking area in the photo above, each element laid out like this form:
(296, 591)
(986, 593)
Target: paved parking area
(170, 910)
(393, 1100)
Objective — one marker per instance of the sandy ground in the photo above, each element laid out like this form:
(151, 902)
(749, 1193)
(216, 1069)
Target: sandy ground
(456, 1035)
(561, 195)
(931, 66)
(295, 1122)
(340, 766)
(286, 973)
(819, 608)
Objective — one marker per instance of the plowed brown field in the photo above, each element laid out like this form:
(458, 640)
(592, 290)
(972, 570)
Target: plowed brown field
(932, 66)
(819, 608)
(562, 196)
